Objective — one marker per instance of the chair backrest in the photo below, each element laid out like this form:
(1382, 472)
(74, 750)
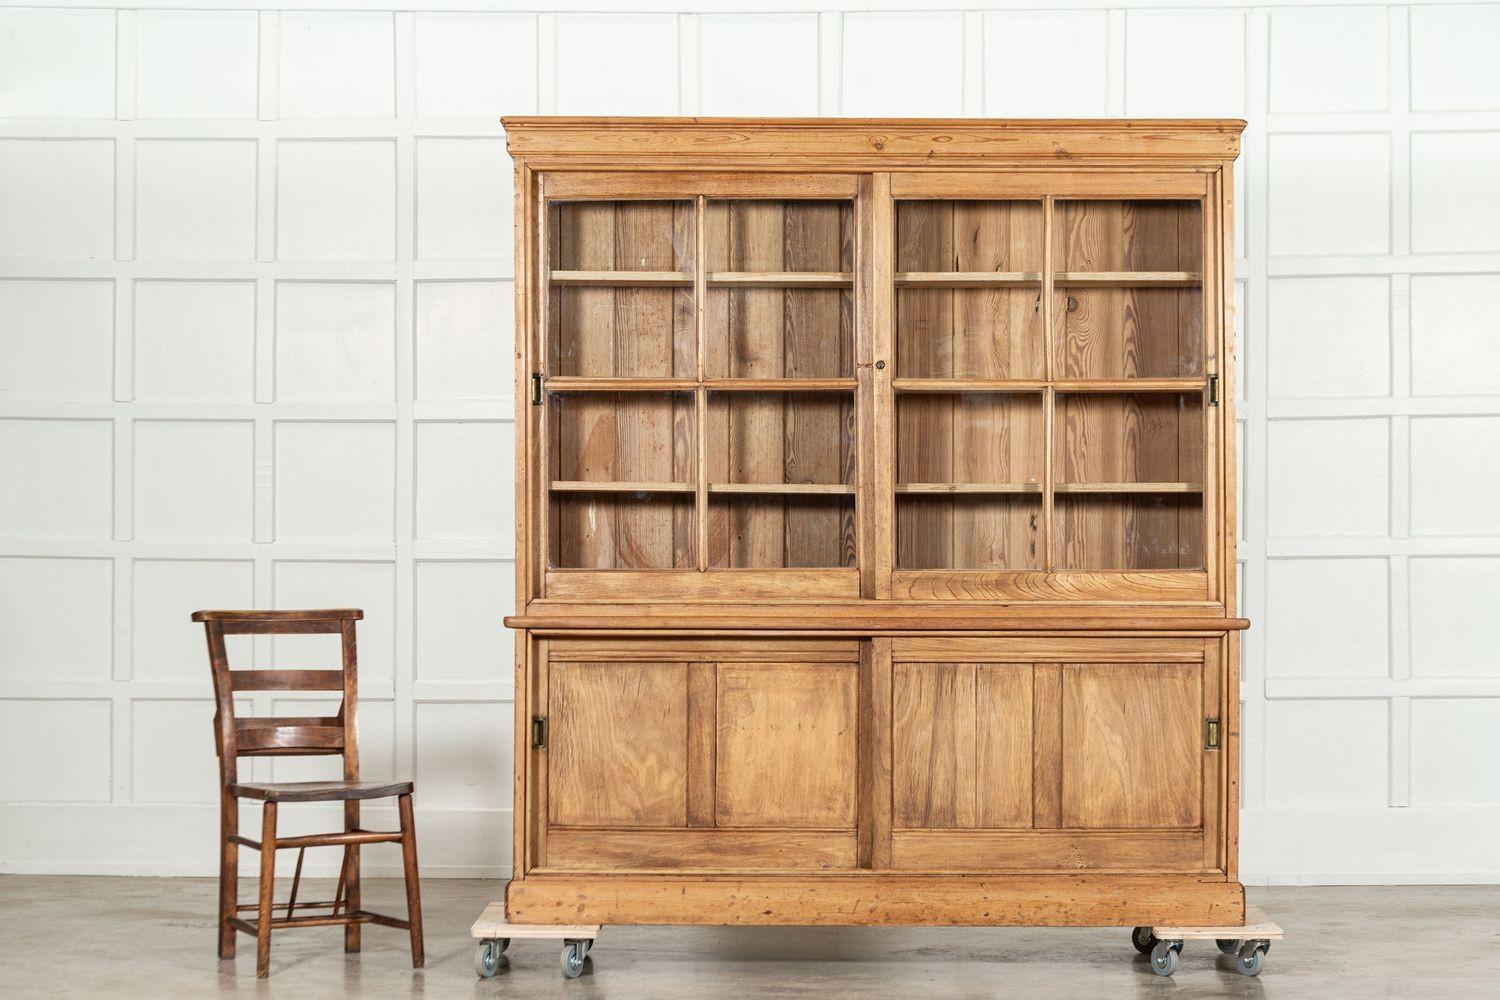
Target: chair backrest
(283, 736)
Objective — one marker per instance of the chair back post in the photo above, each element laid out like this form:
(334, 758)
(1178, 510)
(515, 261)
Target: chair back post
(349, 710)
(226, 737)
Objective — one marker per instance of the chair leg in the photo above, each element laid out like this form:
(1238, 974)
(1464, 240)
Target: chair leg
(267, 886)
(413, 885)
(229, 872)
(351, 887)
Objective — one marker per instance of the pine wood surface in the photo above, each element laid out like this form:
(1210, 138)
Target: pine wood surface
(878, 523)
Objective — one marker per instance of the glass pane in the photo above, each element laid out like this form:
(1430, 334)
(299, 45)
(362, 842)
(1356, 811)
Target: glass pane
(992, 327)
(780, 289)
(1129, 301)
(621, 295)
(781, 531)
(969, 469)
(1128, 471)
(781, 437)
(622, 473)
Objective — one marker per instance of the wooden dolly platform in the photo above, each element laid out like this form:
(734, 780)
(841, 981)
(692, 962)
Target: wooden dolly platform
(1248, 942)
(494, 934)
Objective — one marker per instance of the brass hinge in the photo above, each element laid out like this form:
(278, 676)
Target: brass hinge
(1210, 734)
(536, 388)
(538, 733)
(1213, 390)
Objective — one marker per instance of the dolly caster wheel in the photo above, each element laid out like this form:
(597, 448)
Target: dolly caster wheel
(1251, 956)
(487, 957)
(1143, 940)
(1228, 946)
(1164, 957)
(573, 954)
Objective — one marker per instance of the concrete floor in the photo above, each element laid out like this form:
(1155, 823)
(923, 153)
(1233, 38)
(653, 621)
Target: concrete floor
(143, 937)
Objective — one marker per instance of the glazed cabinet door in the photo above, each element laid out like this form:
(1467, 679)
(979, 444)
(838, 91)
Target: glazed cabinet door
(696, 755)
(1028, 754)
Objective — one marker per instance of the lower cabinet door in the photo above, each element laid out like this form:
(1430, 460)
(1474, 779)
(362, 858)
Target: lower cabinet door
(1040, 755)
(696, 755)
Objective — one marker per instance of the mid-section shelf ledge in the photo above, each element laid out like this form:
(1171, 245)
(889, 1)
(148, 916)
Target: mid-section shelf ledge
(968, 385)
(968, 279)
(622, 279)
(782, 489)
(589, 486)
(944, 489)
(780, 279)
(1127, 488)
(1127, 279)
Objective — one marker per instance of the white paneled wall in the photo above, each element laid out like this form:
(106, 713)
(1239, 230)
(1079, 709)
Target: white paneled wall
(255, 341)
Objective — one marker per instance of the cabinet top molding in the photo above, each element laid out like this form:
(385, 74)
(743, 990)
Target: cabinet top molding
(876, 141)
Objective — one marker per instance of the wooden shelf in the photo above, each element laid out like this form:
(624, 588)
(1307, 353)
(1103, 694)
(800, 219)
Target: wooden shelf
(968, 279)
(780, 384)
(588, 486)
(1127, 488)
(968, 385)
(1127, 279)
(780, 279)
(782, 489)
(622, 279)
(980, 489)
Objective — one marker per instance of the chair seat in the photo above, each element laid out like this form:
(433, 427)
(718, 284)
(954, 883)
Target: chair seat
(320, 791)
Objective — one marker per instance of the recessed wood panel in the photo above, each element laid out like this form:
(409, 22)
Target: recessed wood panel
(962, 748)
(1132, 751)
(618, 744)
(786, 745)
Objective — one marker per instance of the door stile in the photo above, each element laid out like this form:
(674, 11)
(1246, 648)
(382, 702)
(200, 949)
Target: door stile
(540, 803)
(1049, 395)
(1214, 333)
(1213, 761)
(527, 567)
(537, 340)
(873, 810)
(880, 445)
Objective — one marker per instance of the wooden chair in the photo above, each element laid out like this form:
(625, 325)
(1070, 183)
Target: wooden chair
(289, 736)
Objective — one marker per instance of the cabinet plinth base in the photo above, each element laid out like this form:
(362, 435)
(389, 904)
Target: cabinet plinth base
(868, 898)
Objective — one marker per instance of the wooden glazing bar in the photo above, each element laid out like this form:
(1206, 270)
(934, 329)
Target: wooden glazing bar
(1125, 385)
(1049, 396)
(780, 279)
(589, 486)
(1128, 279)
(787, 489)
(780, 384)
(580, 383)
(968, 385)
(968, 279)
(622, 279)
(1127, 488)
(968, 488)
(700, 396)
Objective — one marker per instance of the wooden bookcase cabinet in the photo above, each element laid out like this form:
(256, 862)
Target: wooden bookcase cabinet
(876, 514)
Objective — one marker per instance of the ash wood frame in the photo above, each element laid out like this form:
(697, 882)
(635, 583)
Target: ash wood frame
(878, 162)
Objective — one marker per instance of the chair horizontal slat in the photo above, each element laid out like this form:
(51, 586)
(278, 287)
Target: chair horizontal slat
(287, 680)
(295, 615)
(290, 738)
(316, 626)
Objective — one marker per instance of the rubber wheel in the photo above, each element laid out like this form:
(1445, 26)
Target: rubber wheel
(487, 957)
(1229, 946)
(1164, 958)
(572, 960)
(1143, 940)
(1250, 959)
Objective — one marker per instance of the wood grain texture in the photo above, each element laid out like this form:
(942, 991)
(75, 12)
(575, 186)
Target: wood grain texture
(786, 745)
(878, 898)
(708, 850)
(617, 744)
(962, 745)
(1039, 851)
(1132, 754)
